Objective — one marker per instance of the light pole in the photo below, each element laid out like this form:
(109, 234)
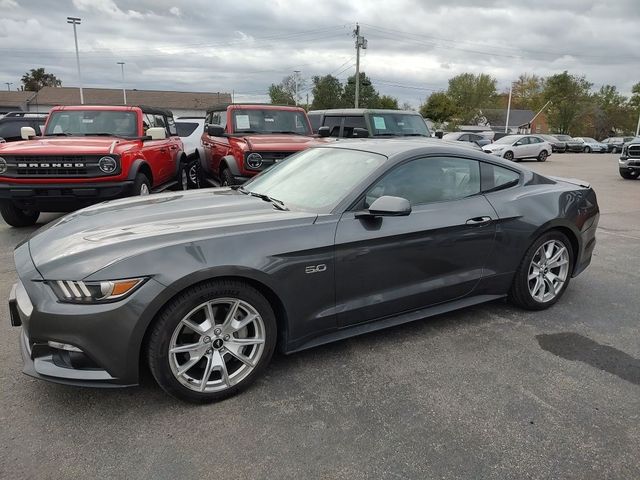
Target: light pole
(124, 91)
(8, 84)
(296, 73)
(76, 21)
(506, 123)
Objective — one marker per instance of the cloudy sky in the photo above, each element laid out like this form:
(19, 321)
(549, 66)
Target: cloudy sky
(414, 45)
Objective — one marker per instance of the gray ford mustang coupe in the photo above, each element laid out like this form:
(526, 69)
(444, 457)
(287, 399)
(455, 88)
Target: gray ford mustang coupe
(335, 241)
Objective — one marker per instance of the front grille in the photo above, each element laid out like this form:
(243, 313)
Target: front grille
(55, 166)
(634, 151)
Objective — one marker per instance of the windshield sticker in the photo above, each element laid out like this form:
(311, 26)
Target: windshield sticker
(242, 122)
(87, 120)
(378, 123)
(269, 119)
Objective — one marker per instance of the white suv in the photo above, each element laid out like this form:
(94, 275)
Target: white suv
(190, 130)
(518, 147)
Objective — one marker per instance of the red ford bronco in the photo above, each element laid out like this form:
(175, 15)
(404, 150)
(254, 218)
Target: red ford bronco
(241, 140)
(88, 154)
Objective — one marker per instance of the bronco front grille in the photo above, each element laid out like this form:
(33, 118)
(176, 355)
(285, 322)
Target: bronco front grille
(55, 166)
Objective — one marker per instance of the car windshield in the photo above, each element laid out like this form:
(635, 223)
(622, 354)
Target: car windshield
(508, 140)
(451, 136)
(118, 123)
(397, 124)
(589, 140)
(270, 120)
(564, 138)
(308, 180)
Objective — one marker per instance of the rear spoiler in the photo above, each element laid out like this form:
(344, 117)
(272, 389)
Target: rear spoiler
(573, 181)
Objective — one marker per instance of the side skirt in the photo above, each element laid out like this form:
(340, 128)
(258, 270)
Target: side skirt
(373, 326)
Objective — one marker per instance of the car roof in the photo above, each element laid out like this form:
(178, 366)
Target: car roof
(359, 111)
(144, 108)
(397, 148)
(249, 106)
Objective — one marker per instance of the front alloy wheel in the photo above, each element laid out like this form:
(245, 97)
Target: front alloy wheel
(212, 340)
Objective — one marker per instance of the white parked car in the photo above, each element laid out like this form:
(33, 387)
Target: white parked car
(518, 147)
(190, 130)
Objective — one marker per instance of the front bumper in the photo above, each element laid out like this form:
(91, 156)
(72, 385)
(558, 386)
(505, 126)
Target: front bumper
(107, 337)
(63, 197)
(629, 164)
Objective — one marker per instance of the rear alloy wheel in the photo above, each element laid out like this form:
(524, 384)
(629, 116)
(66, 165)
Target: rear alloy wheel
(544, 273)
(212, 341)
(543, 156)
(18, 217)
(508, 155)
(587, 149)
(629, 175)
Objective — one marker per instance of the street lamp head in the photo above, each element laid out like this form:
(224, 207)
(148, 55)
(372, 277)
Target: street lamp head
(74, 20)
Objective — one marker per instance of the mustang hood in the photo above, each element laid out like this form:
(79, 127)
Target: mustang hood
(83, 242)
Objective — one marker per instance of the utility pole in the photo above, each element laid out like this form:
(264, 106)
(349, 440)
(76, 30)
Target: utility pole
(8, 84)
(361, 42)
(295, 77)
(76, 21)
(506, 123)
(638, 127)
(124, 91)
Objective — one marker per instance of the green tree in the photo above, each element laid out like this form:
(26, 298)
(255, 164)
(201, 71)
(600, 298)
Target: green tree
(569, 95)
(389, 102)
(634, 101)
(610, 112)
(439, 108)
(37, 78)
(369, 96)
(528, 92)
(470, 93)
(327, 92)
(284, 93)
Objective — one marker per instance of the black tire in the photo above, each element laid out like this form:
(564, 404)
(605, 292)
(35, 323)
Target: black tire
(141, 185)
(193, 173)
(626, 174)
(587, 150)
(519, 293)
(226, 178)
(17, 217)
(542, 156)
(172, 315)
(508, 155)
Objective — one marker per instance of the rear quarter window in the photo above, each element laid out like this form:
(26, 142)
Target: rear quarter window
(186, 128)
(496, 178)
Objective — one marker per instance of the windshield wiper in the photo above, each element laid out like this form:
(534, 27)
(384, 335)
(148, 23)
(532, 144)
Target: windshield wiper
(279, 204)
(59, 134)
(287, 131)
(102, 134)
(414, 135)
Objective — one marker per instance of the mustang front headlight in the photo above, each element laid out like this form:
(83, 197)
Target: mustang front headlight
(71, 291)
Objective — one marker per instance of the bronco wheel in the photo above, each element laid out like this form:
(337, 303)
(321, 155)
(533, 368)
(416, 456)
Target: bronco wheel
(227, 178)
(629, 175)
(141, 185)
(212, 341)
(544, 273)
(508, 155)
(17, 217)
(543, 156)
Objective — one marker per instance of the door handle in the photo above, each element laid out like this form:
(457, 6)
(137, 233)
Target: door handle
(173, 147)
(479, 221)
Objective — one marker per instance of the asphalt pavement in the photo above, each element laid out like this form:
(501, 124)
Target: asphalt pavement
(490, 392)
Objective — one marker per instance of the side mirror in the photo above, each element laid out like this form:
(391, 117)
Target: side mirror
(324, 131)
(157, 133)
(27, 133)
(387, 206)
(359, 132)
(215, 130)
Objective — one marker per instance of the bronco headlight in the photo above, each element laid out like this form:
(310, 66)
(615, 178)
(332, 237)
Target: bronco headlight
(71, 291)
(3, 165)
(254, 160)
(108, 164)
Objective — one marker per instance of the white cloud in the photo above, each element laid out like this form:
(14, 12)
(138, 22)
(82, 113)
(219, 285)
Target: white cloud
(107, 7)
(8, 4)
(175, 11)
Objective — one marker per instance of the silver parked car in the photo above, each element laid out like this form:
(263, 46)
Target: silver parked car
(518, 147)
(592, 145)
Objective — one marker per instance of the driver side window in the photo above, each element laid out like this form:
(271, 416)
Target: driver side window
(429, 180)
